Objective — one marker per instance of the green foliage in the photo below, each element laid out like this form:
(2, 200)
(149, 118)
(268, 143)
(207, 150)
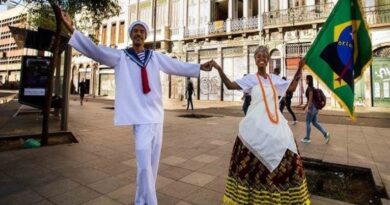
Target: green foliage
(90, 13)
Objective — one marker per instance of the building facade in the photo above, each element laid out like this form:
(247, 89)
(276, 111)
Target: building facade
(10, 54)
(228, 31)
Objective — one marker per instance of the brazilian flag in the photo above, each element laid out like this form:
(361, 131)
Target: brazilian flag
(341, 52)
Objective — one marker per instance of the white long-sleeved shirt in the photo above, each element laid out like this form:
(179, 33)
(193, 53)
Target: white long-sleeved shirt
(132, 106)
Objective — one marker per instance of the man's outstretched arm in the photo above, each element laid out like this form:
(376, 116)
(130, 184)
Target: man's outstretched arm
(102, 54)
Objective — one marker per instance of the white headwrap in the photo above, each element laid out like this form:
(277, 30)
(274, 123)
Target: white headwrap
(138, 22)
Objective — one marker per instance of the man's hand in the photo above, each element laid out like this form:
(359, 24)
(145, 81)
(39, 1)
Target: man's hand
(206, 66)
(67, 21)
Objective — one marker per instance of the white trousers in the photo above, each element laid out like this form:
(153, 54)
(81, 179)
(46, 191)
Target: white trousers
(148, 142)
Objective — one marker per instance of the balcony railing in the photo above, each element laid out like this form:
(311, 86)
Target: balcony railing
(195, 32)
(217, 27)
(297, 15)
(244, 24)
(378, 15)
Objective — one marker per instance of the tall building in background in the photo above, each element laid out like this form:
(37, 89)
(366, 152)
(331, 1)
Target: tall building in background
(10, 54)
(229, 31)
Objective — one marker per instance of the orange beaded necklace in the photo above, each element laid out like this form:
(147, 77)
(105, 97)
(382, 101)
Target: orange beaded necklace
(274, 118)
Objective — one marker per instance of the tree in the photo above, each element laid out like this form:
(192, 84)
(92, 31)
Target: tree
(93, 10)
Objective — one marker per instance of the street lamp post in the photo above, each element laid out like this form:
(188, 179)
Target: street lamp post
(154, 23)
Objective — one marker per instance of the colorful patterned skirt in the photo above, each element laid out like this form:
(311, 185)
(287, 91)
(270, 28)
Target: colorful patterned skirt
(250, 183)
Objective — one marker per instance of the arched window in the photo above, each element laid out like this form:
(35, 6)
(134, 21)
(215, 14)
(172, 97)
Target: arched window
(275, 60)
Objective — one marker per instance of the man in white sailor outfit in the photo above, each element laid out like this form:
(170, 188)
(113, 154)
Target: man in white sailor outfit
(138, 98)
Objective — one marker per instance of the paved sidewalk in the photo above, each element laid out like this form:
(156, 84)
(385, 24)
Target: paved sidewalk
(101, 168)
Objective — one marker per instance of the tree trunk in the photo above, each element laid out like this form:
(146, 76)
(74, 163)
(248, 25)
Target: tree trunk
(49, 85)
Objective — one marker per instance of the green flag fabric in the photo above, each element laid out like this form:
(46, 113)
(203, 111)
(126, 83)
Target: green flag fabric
(341, 52)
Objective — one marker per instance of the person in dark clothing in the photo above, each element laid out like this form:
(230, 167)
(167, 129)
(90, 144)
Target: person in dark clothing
(189, 93)
(82, 90)
(247, 99)
(286, 102)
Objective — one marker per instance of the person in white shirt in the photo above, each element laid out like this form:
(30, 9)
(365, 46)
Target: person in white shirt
(138, 96)
(265, 166)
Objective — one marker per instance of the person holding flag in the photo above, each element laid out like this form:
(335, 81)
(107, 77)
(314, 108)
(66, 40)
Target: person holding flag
(341, 52)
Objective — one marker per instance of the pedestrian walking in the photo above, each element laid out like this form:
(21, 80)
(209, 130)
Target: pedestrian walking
(189, 93)
(138, 97)
(312, 113)
(265, 166)
(286, 102)
(82, 90)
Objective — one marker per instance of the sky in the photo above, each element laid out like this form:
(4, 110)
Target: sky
(3, 7)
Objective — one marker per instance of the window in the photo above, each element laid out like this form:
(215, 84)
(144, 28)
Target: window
(96, 33)
(113, 36)
(121, 32)
(104, 34)
(273, 5)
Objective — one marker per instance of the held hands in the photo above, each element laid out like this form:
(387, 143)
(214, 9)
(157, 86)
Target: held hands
(209, 65)
(206, 66)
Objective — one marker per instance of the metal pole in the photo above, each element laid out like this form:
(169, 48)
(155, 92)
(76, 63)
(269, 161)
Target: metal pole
(154, 23)
(65, 89)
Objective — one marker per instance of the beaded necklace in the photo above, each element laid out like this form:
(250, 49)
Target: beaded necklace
(274, 118)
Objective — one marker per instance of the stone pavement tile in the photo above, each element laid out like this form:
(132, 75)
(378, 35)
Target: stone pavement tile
(205, 197)
(78, 195)
(337, 159)
(109, 184)
(102, 200)
(357, 140)
(124, 194)
(218, 184)
(198, 179)
(55, 162)
(130, 162)
(31, 174)
(57, 187)
(174, 173)
(43, 202)
(164, 199)
(223, 162)
(162, 182)
(173, 160)
(114, 168)
(179, 190)
(311, 155)
(8, 157)
(183, 203)
(79, 156)
(192, 165)
(213, 169)
(130, 174)
(83, 175)
(24, 197)
(118, 157)
(205, 158)
(10, 187)
(385, 201)
(219, 142)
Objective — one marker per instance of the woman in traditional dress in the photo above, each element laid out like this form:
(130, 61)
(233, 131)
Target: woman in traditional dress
(265, 166)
